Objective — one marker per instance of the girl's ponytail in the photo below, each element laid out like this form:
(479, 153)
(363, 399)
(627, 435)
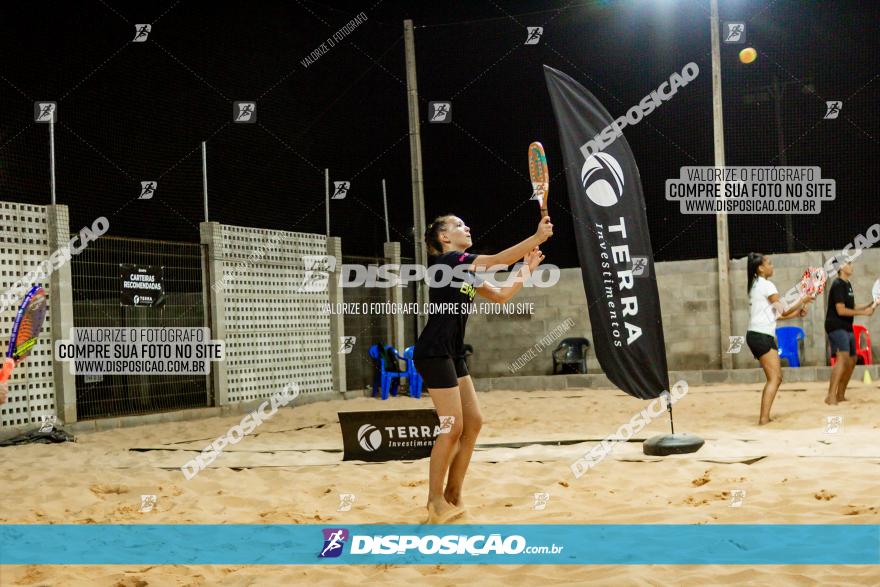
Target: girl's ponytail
(755, 261)
(432, 235)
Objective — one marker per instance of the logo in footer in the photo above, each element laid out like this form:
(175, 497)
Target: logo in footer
(334, 541)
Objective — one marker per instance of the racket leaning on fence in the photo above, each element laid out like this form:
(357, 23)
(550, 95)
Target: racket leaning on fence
(539, 175)
(25, 330)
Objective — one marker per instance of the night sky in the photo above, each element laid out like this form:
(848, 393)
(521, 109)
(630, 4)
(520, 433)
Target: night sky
(132, 112)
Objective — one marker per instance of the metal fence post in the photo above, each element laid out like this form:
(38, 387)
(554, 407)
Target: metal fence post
(216, 301)
(395, 297)
(337, 320)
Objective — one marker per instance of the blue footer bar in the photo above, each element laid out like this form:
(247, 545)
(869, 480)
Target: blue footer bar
(276, 544)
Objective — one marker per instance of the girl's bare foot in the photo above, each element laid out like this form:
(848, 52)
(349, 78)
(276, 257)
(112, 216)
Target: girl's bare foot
(763, 421)
(831, 401)
(440, 511)
(454, 499)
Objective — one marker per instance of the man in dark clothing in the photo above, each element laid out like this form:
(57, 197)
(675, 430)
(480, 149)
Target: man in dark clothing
(839, 326)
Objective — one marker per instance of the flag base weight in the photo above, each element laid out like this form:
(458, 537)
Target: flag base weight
(672, 444)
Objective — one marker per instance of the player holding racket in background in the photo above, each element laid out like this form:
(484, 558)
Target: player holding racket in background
(839, 327)
(439, 350)
(25, 329)
(761, 335)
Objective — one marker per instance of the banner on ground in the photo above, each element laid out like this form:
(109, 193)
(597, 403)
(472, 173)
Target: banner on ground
(390, 435)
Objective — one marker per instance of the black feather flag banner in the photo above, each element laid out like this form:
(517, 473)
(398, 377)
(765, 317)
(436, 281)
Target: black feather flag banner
(613, 243)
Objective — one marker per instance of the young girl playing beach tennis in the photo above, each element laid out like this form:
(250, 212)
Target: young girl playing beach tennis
(761, 335)
(439, 353)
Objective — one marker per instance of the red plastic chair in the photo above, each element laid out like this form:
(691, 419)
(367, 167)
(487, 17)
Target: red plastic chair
(861, 351)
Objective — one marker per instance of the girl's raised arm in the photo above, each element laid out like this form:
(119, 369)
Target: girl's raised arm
(513, 254)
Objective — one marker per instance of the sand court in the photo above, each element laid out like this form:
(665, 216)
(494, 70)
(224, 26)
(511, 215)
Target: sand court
(290, 471)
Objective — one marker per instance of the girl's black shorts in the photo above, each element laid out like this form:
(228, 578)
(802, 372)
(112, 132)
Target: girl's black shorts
(439, 372)
(760, 344)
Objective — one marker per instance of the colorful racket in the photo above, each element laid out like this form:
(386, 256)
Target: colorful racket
(539, 175)
(813, 282)
(875, 291)
(25, 330)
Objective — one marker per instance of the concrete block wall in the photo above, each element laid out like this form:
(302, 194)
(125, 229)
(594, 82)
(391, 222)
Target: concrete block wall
(39, 387)
(274, 331)
(689, 307)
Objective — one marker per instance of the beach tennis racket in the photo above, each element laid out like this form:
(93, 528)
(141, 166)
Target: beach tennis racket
(539, 175)
(875, 292)
(25, 330)
(813, 282)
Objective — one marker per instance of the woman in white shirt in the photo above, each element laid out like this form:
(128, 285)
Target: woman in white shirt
(761, 336)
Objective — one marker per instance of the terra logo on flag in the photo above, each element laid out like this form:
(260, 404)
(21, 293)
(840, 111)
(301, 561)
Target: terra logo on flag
(603, 179)
(334, 541)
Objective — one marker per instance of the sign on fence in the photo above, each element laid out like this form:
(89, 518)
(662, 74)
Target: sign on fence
(141, 286)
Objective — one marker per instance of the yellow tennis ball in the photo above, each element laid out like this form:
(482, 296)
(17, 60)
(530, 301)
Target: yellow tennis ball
(748, 55)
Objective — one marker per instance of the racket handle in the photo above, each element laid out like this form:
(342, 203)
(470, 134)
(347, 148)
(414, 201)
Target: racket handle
(543, 213)
(6, 372)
